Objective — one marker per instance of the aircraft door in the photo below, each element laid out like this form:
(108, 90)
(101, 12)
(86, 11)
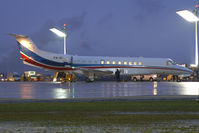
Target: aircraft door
(67, 61)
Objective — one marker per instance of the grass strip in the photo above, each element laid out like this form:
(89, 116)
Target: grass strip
(98, 113)
(134, 106)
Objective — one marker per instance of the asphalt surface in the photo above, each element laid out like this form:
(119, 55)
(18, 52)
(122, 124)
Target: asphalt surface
(95, 90)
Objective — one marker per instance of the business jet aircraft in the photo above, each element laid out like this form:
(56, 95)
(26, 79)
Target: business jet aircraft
(95, 66)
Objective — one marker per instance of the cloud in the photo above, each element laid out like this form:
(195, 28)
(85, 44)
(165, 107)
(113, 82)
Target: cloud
(12, 63)
(105, 22)
(86, 45)
(43, 36)
(73, 23)
(148, 8)
(105, 19)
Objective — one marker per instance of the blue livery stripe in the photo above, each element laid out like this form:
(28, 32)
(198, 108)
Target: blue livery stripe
(39, 58)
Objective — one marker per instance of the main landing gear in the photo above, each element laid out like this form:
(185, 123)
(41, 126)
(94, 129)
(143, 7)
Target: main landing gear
(55, 76)
(64, 77)
(91, 77)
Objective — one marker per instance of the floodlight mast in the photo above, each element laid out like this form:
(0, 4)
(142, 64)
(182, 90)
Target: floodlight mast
(61, 34)
(188, 15)
(196, 41)
(196, 38)
(65, 39)
(192, 17)
(57, 32)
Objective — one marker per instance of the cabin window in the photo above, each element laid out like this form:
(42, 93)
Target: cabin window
(130, 63)
(135, 63)
(102, 62)
(140, 63)
(171, 62)
(55, 57)
(113, 62)
(125, 63)
(107, 62)
(119, 62)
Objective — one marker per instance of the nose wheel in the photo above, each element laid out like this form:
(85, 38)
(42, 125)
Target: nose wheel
(176, 78)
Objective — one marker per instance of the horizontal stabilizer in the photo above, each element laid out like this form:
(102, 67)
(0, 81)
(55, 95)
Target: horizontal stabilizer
(17, 36)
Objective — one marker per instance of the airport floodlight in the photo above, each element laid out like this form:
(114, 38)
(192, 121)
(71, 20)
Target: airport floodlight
(192, 17)
(61, 34)
(58, 32)
(188, 15)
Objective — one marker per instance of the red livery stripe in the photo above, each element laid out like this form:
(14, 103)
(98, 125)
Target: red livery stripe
(29, 60)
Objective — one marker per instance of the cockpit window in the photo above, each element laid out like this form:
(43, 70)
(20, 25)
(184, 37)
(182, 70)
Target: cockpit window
(171, 62)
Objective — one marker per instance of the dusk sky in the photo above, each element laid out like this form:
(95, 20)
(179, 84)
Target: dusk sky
(148, 28)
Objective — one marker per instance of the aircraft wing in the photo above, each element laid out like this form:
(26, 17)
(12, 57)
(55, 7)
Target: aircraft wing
(88, 71)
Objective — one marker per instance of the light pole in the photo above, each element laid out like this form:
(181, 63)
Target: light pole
(65, 39)
(192, 17)
(61, 34)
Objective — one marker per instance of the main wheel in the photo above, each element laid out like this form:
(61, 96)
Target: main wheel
(89, 80)
(151, 79)
(135, 79)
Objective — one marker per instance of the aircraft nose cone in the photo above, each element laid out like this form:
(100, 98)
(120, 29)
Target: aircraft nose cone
(189, 70)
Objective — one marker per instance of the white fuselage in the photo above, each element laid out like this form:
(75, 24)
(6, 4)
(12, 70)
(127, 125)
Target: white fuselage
(99, 65)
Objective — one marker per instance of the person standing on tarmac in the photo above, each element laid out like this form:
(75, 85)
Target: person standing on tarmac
(117, 75)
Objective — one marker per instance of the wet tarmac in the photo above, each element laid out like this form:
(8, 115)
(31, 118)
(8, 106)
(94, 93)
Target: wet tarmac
(50, 90)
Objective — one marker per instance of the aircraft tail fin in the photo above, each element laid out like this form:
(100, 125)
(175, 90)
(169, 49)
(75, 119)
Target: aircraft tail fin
(26, 47)
(25, 43)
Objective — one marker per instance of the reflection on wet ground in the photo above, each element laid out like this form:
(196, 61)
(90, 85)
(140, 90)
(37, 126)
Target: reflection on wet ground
(49, 90)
